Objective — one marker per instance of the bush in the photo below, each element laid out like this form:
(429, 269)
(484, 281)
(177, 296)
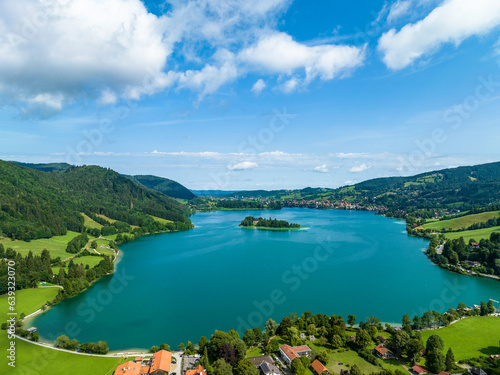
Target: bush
(368, 356)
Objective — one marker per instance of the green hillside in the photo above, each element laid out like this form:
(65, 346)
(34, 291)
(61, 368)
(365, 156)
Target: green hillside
(164, 185)
(49, 167)
(458, 189)
(38, 204)
(462, 222)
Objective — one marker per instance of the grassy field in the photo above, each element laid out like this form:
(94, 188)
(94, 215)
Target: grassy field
(107, 218)
(30, 300)
(90, 223)
(159, 219)
(56, 245)
(473, 234)
(33, 359)
(90, 260)
(471, 337)
(462, 222)
(350, 358)
(347, 359)
(254, 352)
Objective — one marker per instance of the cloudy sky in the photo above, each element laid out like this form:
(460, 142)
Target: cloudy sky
(263, 94)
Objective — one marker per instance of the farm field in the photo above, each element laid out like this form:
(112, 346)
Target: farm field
(462, 222)
(56, 245)
(472, 234)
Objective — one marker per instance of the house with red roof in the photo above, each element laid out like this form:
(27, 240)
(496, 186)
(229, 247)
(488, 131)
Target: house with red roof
(288, 353)
(382, 351)
(419, 370)
(198, 370)
(159, 364)
(128, 368)
(319, 368)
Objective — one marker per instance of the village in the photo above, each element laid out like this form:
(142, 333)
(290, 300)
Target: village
(164, 362)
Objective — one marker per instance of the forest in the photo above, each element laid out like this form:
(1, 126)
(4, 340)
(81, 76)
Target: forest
(487, 253)
(250, 221)
(37, 204)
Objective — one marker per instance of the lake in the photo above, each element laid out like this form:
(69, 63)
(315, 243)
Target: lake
(176, 287)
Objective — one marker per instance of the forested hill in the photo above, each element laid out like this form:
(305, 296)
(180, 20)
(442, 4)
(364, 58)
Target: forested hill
(44, 167)
(164, 185)
(36, 204)
(461, 188)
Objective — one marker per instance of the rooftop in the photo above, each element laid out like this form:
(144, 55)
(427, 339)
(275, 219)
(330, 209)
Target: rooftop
(318, 367)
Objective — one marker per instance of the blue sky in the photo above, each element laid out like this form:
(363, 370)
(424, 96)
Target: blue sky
(268, 94)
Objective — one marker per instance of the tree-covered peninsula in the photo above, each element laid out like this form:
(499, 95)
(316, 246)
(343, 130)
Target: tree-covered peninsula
(261, 223)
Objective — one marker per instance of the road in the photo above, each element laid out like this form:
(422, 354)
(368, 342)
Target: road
(176, 367)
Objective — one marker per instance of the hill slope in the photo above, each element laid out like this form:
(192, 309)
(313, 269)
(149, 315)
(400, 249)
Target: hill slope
(49, 167)
(461, 188)
(35, 204)
(164, 185)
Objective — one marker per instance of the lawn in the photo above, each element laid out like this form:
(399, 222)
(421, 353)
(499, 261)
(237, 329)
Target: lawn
(90, 223)
(350, 358)
(56, 245)
(254, 352)
(473, 234)
(471, 337)
(33, 359)
(462, 222)
(30, 300)
(90, 260)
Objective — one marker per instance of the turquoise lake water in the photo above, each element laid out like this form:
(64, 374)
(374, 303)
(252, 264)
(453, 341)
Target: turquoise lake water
(176, 287)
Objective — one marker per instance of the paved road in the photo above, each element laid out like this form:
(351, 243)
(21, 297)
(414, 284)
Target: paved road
(177, 367)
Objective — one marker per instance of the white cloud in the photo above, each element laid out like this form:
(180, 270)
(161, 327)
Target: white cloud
(65, 51)
(290, 85)
(258, 86)
(279, 53)
(243, 166)
(399, 9)
(452, 22)
(74, 48)
(211, 77)
(360, 168)
(321, 168)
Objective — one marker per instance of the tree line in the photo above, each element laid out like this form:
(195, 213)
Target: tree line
(267, 223)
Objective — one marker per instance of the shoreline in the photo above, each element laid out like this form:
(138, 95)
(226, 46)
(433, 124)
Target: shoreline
(119, 256)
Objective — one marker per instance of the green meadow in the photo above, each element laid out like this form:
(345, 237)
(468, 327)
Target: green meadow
(56, 245)
(471, 337)
(462, 222)
(476, 234)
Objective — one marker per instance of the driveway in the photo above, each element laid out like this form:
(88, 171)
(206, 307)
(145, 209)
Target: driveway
(176, 367)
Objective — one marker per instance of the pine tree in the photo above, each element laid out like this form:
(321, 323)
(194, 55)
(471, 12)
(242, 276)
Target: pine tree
(450, 360)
